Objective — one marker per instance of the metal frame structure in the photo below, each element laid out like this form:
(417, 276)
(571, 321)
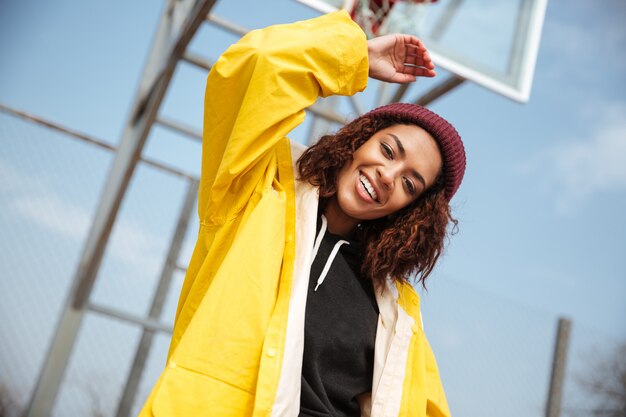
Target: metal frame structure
(521, 66)
(524, 56)
(151, 323)
(178, 24)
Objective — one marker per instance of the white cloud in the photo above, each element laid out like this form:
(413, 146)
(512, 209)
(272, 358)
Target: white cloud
(12, 181)
(137, 247)
(52, 213)
(582, 52)
(567, 39)
(33, 201)
(578, 168)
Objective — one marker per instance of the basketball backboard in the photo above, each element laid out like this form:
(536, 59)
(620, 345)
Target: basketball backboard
(493, 43)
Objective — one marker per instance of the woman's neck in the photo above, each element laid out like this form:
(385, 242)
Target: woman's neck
(339, 223)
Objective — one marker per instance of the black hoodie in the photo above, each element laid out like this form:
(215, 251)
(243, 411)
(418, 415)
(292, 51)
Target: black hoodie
(340, 329)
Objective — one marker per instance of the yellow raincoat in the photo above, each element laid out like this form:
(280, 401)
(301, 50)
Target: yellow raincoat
(238, 336)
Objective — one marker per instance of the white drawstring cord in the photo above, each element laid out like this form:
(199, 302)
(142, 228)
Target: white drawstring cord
(329, 261)
(333, 253)
(320, 236)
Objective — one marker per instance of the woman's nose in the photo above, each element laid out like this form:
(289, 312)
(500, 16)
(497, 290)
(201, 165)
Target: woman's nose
(386, 177)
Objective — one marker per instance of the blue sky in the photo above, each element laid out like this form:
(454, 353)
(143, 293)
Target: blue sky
(542, 230)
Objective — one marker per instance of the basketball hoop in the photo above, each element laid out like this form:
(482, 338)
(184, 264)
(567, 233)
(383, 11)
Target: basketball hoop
(379, 17)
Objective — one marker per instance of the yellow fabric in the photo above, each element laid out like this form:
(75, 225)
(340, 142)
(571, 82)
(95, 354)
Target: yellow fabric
(227, 348)
(422, 389)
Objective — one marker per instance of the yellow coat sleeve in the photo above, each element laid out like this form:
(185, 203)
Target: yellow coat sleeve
(256, 94)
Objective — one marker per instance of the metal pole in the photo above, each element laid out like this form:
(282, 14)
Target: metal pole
(327, 113)
(145, 344)
(198, 61)
(444, 21)
(177, 26)
(400, 91)
(146, 323)
(356, 105)
(320, 126)
(555, 391)
(91, 140)
(381, 93)
(227, 25)
(179, 127)
(439, 90)
(56, 127)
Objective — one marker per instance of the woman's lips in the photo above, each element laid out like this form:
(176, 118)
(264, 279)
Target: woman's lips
(369, 187)
(363, 187)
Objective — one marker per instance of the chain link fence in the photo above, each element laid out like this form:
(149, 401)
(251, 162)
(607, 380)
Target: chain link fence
(49, 188)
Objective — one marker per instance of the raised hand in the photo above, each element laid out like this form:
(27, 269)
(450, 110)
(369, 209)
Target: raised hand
(398, 58)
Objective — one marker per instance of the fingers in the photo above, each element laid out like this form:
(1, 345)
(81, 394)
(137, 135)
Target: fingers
(417, 61)
(411, 75)
(414, 46)
(417, 71)
(412, 40)
(399, 58)
(418, 55)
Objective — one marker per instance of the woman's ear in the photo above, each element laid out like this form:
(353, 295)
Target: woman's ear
(328, 193)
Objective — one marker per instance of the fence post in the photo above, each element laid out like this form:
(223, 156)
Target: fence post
(555, 390)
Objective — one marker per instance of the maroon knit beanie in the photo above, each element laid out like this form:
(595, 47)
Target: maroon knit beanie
(446, 136)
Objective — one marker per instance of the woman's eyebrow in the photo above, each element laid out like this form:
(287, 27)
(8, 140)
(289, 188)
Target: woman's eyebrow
(419, 177)
(416, 174)
(398, 143)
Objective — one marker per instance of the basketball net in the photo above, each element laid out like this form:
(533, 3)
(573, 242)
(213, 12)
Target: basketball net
(379, 17)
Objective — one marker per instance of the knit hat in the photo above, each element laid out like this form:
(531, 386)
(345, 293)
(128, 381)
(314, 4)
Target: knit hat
(446, 136)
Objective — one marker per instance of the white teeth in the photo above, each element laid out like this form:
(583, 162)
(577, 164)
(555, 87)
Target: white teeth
(368, 187)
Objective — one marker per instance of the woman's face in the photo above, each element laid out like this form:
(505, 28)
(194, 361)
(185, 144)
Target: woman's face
(387, 173)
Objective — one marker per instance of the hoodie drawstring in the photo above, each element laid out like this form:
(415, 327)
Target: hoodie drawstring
(333, 253)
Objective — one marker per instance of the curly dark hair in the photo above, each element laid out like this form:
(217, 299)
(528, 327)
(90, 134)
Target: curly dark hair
(404, 244)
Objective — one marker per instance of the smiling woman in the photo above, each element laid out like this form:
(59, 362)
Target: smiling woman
(392, 173)
(297, 300)
(385, 175)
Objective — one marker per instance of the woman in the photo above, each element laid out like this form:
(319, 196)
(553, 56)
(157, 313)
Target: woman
(279, 239)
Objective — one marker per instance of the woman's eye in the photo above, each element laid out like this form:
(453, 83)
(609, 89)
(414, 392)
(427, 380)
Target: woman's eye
(409, 186)
(387, 150)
